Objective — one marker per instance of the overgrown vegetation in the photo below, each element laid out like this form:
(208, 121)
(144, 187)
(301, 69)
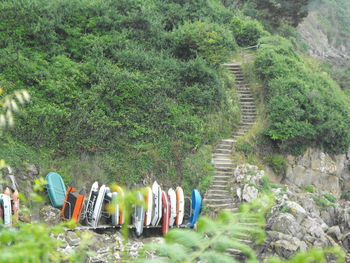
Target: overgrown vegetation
(125, 88)
(305, 107)
(277, 163)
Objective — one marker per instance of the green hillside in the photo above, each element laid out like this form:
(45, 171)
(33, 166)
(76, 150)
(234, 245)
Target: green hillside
(122, 90)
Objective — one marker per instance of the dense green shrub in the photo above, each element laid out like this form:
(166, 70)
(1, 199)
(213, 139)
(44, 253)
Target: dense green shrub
(277, 163)
(108, 92)
(305, 107)
(246, 32)
(210, 41)
(245, 147)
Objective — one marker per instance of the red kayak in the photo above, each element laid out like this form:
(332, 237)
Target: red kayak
(166, 213)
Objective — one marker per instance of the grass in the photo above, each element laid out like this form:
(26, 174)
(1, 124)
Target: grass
(308, 188)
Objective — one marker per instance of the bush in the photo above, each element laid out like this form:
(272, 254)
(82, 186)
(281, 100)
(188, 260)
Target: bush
(245, 147)
(277, 163)
(210, 41)
(305, 107)
(330, 198)
(246, 32)
(308, 188)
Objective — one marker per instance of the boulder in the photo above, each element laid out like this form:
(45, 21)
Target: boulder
(249, 193)
(335, 233)
(50, 215)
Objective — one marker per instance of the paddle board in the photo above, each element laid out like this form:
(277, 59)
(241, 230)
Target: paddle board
(115, 215)
(55, 189)
(195, 208)
(166, 213)
(157, 204)
(91, 201)
(180, 206)
(6, 206)
(96, 215)
(139, 215)
(149, 206)
(172, 201)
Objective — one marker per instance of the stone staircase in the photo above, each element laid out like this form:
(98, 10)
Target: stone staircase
(219, 196)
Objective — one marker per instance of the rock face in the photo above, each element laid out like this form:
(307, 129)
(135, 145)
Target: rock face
(327, 173)
(320, 44)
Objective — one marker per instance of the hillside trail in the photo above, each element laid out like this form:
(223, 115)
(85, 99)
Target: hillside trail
(219, 196)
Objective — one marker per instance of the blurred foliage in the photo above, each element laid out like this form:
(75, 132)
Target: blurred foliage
(277, 163)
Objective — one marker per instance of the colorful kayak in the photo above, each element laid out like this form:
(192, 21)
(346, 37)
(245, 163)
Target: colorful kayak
(166, 213)
(5, 201)
(96, 215)
(56, 189)
(157, 204)
(67, 204)
(195, 208)
(149, 206)
(91, 201)
(180, 206)
(115, 215)
(172, 200)
(139, 216)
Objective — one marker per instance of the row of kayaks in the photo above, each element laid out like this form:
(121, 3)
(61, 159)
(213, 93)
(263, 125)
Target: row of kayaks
(155, 207)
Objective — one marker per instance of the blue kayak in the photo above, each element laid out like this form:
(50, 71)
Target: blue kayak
(196, 207)
(56, 189)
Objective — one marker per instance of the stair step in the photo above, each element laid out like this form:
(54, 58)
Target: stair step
(223, 155)
(223, 146)
(218, 196)
(218, 201)
(223, 173)
(228, 151)
(218, 177)
(227, 141)
(221, 161)
(218, 191)
(226, 205)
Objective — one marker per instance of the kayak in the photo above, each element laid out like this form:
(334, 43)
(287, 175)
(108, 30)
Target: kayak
(166, 213)
(149, 206)
(172, 200)
(139, 215)
(91, 201)
(180, 205)
(195, 207)
(157, 204)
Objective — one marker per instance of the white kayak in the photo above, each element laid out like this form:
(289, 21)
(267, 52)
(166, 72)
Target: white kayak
(172, 199)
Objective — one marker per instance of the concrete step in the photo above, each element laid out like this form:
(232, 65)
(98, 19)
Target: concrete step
(223, 173)
(224, 146)
(218, 196)
(223, 155)
(221, 158)
(218, 191)
(232, 210)
(227, 141)
(223, 166)
(222, 206)
(246, 99)
(228, 151)
(218, 201)
(222, 161)
(222, 177)
(218, 186)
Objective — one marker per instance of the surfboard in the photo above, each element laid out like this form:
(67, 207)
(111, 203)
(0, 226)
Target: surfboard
(180, 206)
(6, 206)
(172, 201)
(157, 204)
(55, 189)
(139, 216)
(149, 206)
(115, 215)
(120, 192)
(166, 213)
(96, 215)
(195, 208)
(91, 201)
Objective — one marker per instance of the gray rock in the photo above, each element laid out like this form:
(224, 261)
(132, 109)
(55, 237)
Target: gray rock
(50, 215)
(286, 248)
(72, 238)
(285, 223)
(335, 232)
(249, 193)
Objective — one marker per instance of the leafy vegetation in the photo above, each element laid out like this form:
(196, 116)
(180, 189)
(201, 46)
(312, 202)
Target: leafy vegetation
(131, 87)
(277, 163)
(305, 107)
(308, 188)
